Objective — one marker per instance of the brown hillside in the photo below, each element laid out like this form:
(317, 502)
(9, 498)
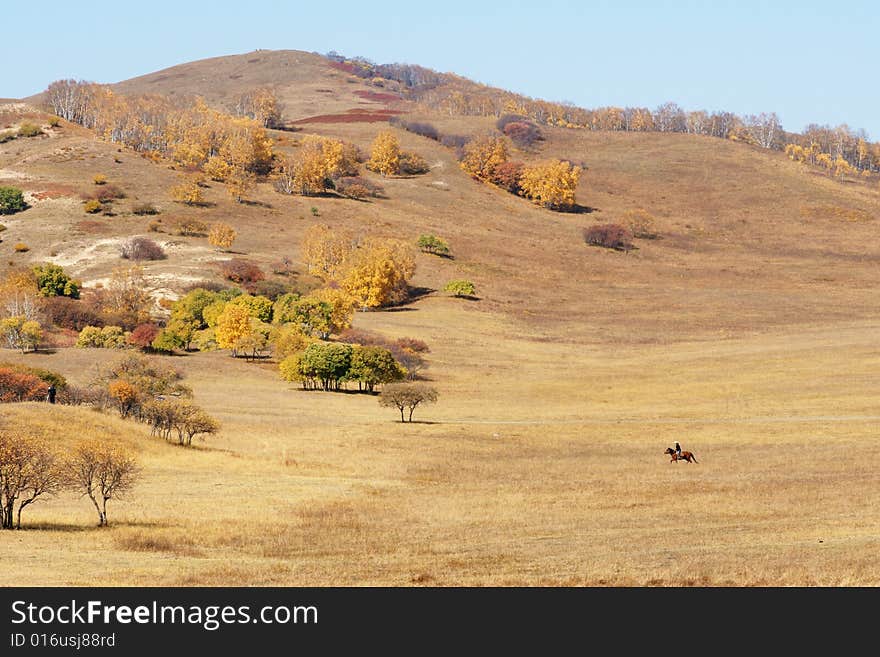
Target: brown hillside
(747, 239)
(747, 330)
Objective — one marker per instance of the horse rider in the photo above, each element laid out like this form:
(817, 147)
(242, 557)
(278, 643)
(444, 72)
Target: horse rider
(677, 449)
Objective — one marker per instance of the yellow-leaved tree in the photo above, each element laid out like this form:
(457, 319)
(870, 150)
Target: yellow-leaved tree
(342, 306)
(551, 184)
(325, 251)
(483, 154)
(233, 325)
(378, 271)
(385, 154)
(187, 191)
(221, 235)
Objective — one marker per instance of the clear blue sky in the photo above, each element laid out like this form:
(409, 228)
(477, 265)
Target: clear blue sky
(810, 62)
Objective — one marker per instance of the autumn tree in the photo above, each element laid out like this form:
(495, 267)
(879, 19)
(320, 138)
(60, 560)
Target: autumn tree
(483, 154)
(239, 183)
(406, 397)
(221, 235)
(28, 473)
(341, 307)
(128, 295)
(385, 154)
(101, 471)
(325, 251)
(188, 191)
(21, 333)
(233, 325)
(378, 272)
(551, 184)
(311, 171)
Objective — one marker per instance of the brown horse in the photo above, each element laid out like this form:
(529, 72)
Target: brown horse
(685, 456)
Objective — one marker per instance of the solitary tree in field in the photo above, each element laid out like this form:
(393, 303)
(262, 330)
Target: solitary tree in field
(101, 471)
(406, 396)
(460, 288)
(222, 235)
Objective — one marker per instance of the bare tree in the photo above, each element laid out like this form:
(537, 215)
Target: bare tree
(763, 128)
(101, 471)
(403, 396)
(27, 473)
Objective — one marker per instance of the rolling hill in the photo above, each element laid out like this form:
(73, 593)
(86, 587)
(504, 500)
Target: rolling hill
(746, 329)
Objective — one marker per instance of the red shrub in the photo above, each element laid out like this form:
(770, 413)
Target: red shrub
(72, 314)
(523, 133)
(507, 176)
(18, 386)
(609, 236)
(241, 271)
(142, 248)
(143, 335)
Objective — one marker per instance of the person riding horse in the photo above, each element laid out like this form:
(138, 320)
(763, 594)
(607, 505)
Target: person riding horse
(677, 449)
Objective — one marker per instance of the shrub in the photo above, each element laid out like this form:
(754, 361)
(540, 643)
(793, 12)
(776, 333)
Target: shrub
(17, 386)
(188, 227)
(143, 336)
(108, 193)
(241, 271)
(358, 187)
(412, 164)
(100, 179)
(29, 130)
(640, 223)
(155, 226)
(54, 122)
(47, 376)
(108, 337)
(221, 235)
(21, 247)
(507, 176)
(523, 134)
(93, 206)
(506, 119)
(609, 236)
(432, 244)
(460, 288)
(142, 248)
(52, 281)
(142, 209)
(68, 313)
(419, 128)
(454, 141)
(269, 289)
(11, 200)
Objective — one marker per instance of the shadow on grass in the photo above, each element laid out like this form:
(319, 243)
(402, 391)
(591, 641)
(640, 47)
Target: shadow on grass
(69, 528)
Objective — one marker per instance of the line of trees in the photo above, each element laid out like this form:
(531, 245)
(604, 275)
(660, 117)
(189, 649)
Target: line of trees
(31, 470)
(454, 95)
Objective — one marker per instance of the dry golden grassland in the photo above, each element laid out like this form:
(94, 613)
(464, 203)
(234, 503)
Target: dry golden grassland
(541, 464)
(747, 331)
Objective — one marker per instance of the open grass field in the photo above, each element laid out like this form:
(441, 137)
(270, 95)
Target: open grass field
(748, 331)
(541, 464)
